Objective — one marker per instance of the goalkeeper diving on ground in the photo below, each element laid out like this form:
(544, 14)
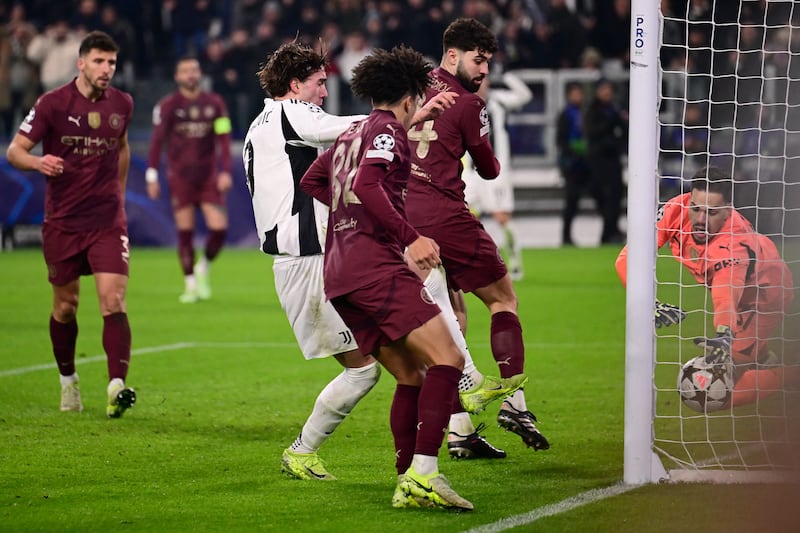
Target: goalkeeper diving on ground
(750, 284)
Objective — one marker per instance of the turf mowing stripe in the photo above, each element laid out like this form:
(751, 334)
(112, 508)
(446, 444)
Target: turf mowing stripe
(151, 349)
(591, 496)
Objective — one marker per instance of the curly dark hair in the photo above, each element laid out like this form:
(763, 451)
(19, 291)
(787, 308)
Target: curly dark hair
(385, 77)
(289, 61)
(97, 40)
(467, 34)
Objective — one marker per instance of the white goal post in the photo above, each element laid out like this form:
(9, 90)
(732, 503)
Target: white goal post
(711, 83)
(641, 463)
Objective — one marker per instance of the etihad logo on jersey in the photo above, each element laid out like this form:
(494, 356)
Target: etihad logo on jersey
(85, 145)
(343, 225)
(193, 130)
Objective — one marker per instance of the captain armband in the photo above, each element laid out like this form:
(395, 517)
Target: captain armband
(222, 125)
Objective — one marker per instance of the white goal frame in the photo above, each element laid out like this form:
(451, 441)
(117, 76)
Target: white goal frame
(642, 462)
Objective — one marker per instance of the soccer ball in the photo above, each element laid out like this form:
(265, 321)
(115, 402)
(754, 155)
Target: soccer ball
(705, 387)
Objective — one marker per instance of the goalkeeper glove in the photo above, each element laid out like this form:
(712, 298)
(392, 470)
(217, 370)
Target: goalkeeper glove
(717, 348)
(668, 314)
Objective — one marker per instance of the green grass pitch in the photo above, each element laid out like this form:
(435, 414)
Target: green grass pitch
(222, 390)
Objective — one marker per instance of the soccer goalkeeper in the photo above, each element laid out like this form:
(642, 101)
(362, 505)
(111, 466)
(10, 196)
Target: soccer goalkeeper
(750, 284)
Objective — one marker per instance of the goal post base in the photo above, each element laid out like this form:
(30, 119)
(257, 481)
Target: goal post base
(732, 477)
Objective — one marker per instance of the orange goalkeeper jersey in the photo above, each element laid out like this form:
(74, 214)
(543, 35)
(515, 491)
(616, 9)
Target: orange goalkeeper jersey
(742, 268)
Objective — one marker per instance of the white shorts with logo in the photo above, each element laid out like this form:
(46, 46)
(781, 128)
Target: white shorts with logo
(485, 197)
(319, 329)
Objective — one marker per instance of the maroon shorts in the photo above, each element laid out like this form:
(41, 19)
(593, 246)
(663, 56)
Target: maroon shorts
(469, 254)
(70, 255)
(386, 310)
(185, 193)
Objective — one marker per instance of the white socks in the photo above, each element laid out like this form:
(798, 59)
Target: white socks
(333, 404)
(115, 384)
(201, 267)
(460, 424)
(68, 380)
(425, 465)
(435, 283)
(517, 401)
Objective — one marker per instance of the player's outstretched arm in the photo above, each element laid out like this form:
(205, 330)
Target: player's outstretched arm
(517, 95)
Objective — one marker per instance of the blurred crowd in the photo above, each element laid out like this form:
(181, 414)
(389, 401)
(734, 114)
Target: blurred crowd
(731, 98)
(39, 40)
(231, 37)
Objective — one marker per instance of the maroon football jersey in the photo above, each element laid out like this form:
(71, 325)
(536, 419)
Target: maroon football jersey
(86, 134)
(187, 126)
(365, 240)
(437, 147)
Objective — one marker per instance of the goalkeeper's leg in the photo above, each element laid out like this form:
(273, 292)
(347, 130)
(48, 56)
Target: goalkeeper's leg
(763, 380)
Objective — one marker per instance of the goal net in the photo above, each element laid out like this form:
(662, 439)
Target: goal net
(727, 82)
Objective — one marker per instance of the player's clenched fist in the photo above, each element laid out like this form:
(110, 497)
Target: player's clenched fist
(51, 165)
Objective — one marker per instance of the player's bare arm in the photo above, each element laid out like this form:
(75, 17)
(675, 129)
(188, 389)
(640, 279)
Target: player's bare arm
(153, 190)
(434, 107)
(19, 155)
(224, 181)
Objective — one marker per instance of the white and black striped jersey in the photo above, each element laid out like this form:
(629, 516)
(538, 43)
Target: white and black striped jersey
(280, 145)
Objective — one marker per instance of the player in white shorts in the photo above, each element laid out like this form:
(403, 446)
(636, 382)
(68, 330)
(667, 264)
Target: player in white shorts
(319, 329)
(281, 143)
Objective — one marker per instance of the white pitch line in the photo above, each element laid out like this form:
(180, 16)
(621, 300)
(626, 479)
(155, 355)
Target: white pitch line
(590, 496)
(150, 350)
